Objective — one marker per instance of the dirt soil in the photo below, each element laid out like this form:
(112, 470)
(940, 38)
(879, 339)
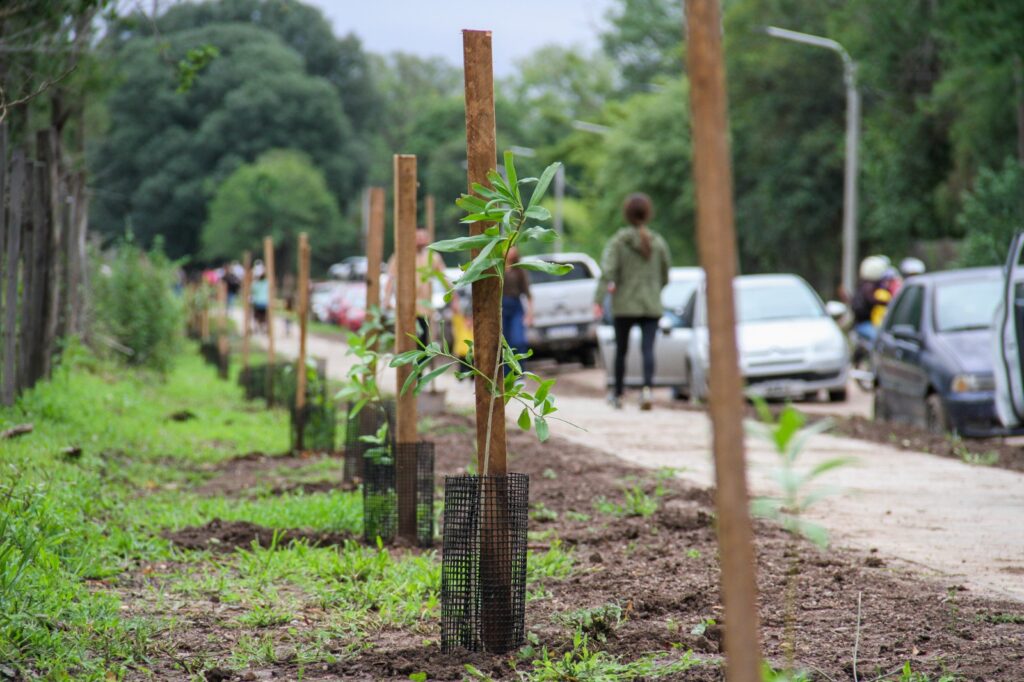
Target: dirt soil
(227, 536)
(662, 572)
(257, 472)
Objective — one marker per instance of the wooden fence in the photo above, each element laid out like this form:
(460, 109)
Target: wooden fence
(43, 265)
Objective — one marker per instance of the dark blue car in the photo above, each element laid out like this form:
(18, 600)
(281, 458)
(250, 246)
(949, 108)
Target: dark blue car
(933, 357)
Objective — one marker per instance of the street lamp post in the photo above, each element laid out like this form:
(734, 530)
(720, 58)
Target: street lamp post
(852, 142)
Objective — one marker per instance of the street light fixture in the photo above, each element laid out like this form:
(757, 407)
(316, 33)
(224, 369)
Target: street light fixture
(852, 141)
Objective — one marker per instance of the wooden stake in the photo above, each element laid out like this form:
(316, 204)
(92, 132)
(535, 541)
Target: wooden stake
(222, 328)
(302, 310)
(717, 241)
(495, 558)
(482, 154)
(405, 332)
(246, 308)
(430, 218)
(268, 268)
(17, 196)
(374, 248)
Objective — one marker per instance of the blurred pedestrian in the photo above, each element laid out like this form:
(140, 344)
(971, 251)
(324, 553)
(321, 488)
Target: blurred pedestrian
(871, 297)
(429, 266)
(634, 267)
(260, 299)
(516, 304)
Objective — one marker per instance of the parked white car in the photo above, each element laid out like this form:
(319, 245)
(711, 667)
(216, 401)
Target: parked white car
(563, 309)
(671, 347)
(789, 346)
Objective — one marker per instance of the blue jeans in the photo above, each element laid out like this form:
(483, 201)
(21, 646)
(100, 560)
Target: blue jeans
(513, 324)
(866, 330)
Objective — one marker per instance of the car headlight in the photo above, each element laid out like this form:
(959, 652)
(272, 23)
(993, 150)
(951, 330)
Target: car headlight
(969, 383)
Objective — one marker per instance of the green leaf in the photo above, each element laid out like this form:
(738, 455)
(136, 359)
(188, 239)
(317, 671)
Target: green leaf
(433, 374)
(542, 185)
(510, 172)
(548, 267)
(406, 358)
(542, 429)
(418, 677)
(538, 213)
(542, 391)
(539, 234)
(524, 420)
(476, 241)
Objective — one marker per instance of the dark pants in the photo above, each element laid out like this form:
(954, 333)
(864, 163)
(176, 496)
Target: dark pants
(513, 323)
(648, 331)
(423, 329)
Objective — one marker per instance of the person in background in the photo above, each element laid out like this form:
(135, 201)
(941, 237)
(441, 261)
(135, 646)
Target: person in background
(260, 298)
(516, 304)
(634, 265)
(428, 266)
(871, 297)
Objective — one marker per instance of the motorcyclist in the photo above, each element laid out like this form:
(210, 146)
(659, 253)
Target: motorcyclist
(871, 297)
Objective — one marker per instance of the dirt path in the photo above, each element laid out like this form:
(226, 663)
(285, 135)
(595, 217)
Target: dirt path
(939, 516)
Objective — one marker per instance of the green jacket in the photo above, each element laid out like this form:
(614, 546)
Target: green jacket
(638, 281)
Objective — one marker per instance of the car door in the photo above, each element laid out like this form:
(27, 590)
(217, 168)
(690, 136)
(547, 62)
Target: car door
(672, 347)
(902, 381)
(1009, 332)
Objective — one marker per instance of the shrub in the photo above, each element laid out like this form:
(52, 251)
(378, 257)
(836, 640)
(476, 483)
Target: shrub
(136, 310)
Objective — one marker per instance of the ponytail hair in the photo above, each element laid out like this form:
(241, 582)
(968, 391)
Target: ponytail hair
(638, 210)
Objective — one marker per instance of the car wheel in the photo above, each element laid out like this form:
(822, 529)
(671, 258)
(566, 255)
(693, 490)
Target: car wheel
(878, 408)
(680, 393)
(936, 420)
(837, 396)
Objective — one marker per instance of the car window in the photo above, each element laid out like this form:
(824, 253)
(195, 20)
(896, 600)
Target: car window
(676, 294)
(777, 301)
(908, 309)
(966, 305)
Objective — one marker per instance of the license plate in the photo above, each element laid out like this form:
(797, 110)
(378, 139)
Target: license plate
(563, 332)
(776, 389)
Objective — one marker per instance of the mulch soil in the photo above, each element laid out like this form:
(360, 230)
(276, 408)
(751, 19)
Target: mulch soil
(663, 573)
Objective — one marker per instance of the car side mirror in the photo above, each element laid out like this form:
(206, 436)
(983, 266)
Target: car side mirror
(905, 332)
(835, 309)
(665, 324)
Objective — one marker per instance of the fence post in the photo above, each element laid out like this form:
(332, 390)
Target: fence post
(246, 308)
(77, 263)
(13, 244)
(405, 331)
(268, 269)
(302, 310)
(35, 333)
(47, 150)
(717, 241)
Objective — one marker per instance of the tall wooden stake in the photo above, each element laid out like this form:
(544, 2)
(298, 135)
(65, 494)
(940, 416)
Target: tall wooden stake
(14, 227)
(222, 328)
(430, 217)
(268, 268)
(374, 248)
(717, 241)
(246, 308)
(405, 331)
(482, 154)
(495, 560)
(302, 309)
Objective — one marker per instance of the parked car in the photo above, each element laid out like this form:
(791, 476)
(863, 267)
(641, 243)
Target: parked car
(320, 299)
(933, 358)
(789, 345)
(563, 309)
(671, 346)
(348, 308)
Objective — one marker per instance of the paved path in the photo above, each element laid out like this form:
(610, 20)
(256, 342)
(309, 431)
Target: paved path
(945, 518)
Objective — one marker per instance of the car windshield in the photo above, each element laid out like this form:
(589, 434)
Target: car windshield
(776, 301)
(676, 295)
(966, 305)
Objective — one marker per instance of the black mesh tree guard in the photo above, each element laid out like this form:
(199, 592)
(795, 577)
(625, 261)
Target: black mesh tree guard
(315, 425)
(380, 498)
(420, 458)
(254, 381)
(366, 423)
(483, 562)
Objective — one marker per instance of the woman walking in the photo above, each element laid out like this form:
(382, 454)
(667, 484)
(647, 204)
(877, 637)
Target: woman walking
(634, 268)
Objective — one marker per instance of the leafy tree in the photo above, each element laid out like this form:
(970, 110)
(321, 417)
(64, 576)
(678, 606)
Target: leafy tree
(281, 194)
(992, 213)
(634, 160)
(167, 152)
(645, 38)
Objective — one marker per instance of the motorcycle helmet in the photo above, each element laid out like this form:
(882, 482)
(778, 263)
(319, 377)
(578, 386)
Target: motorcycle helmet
(912, 266)
(873, 268)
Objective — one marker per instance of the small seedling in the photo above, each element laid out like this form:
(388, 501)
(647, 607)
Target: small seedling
(576, 516)
(542, 513)
(700, 628)
(693, 553)
(549, 474)
(597, 622)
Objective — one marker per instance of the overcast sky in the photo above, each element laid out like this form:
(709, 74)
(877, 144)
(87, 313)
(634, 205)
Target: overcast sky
(434, 28)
